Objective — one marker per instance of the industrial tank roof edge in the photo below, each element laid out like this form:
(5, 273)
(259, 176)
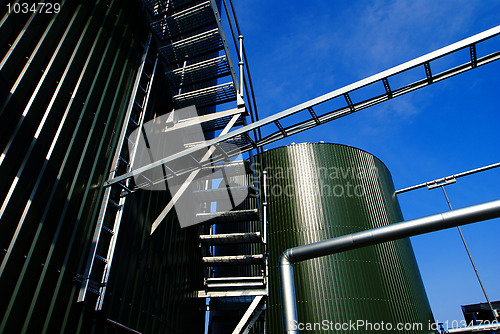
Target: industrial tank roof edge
(322, 143)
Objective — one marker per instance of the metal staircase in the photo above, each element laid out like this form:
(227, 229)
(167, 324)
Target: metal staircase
(100, 258)
(234, 253)
(190, 36)
(196, 57)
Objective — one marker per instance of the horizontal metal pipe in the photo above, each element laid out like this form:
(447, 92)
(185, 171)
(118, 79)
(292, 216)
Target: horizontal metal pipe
(378, 235)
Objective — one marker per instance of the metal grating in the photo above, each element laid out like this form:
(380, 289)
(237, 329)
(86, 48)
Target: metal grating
(179, 4)
(232, 238)
(207, 96)
(229, 216)
(157, 8)
(189, 48)
(184, 22)
(233, 260)
(202, 71)
(220, 123)
(212, 195)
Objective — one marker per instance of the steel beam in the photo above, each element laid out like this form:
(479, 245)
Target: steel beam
(381, 78)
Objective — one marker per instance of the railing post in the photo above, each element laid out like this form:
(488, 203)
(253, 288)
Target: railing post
(241, 63)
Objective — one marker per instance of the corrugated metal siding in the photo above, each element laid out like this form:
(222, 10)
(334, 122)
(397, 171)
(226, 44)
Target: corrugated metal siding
(65, 83)
(320, 191)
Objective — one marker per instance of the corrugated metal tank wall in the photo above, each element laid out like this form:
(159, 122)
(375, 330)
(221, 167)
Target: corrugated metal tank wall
(321, 191)
(65, 82)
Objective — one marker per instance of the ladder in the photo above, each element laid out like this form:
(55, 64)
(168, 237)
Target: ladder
(194, 50)
(100, 258)
(234, 251)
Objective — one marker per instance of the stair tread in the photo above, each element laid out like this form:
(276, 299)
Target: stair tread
(206, 97)
(220, 123)
(235, 285)
(213, 68)
(204, 43)
(233, 259)
(184, 21)
(230, 238)
(212, 195)
(233, 168)
(238, 295)
(236, 278)
(229, 216)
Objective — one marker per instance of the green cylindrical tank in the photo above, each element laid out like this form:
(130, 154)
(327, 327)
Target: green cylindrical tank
(321, 191)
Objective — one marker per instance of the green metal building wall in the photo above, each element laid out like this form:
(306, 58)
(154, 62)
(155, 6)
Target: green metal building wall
(321, 191)
(65, 82)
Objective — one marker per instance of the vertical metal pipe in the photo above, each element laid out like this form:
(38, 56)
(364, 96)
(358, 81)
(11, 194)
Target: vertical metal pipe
(288, 298)
(241, 63)
(264, 205)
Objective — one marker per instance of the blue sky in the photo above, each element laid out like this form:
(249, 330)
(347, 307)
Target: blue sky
(300, 50)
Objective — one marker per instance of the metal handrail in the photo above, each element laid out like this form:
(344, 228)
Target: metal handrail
(243, 62)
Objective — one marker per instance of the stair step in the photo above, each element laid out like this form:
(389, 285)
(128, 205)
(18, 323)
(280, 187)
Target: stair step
(199, 72)
(235, 282)
(213, 195)
(228, 216)
(181, 4)
(192, 47)
(233, 168)
(185, 21)
(235, 285)
(238, 296)
(220, 123)
(107, 229)
(236, 278)
(157, 7)
(206, 97)
(230, 238)
(224, 147)
(233, 260)
(101, 258)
